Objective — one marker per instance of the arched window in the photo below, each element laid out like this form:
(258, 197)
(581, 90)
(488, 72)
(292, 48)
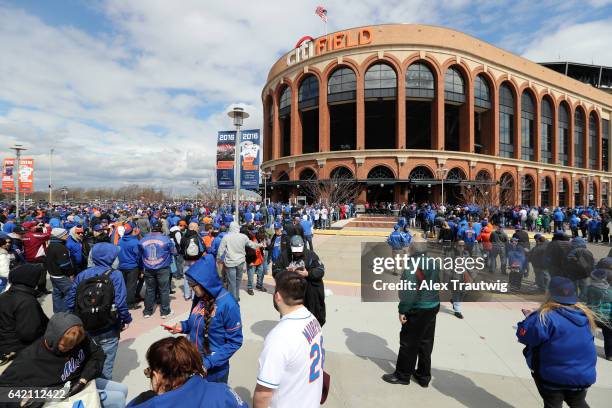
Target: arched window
(284, 105)
(342, 85)
(527, 184)
(283, 176)
(455, 174)
(420, 82)
(563, 135)
(506, 121)
(527, 127)
(341, 172)
(483, 175)
(593, 141)
(482, 94)
(579, 138)
(454, 87)
(421, 173)
(308, 174)
(506, 189)
(308, 94)
(546, 132)
(380, 81)
(380, 172)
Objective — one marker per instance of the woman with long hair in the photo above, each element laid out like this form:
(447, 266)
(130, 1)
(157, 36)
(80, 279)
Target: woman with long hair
(560, 350)
(214, 324)
(177, 375)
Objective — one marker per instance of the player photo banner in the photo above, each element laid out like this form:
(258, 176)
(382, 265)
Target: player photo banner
(8, 168)
(226, 140)
(26, 176)
(249, 159)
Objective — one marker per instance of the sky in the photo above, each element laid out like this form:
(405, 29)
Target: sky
(134, 91)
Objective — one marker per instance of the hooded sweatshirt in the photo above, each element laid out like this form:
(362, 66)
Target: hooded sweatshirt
(130, 256)
(41, 364)
(560, 352)
(225, 327)
(21, 317)
(103, 255)
(233, 246)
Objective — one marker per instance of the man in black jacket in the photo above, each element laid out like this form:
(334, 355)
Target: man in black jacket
(307, 264)
(60, 267)
(21, 318)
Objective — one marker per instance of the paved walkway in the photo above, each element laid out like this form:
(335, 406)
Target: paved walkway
(477, 362)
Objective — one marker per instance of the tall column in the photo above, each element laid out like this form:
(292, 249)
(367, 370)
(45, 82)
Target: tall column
(360, 111)
(400, 139)
(267, 131)
(599, 165)
(537, 195)
(587, 142)
(324, 142)
(469, 119)
(517, 127)
(437, 142)
(296, 123)
(537, 128)
(276, 132)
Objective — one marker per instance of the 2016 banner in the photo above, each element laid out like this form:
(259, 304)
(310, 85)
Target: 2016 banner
(225, 159)
(25, 177)
(249, 159)
(8, 176)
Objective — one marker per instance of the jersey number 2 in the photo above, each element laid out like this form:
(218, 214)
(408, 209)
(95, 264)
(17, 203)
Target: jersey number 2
(317, 354)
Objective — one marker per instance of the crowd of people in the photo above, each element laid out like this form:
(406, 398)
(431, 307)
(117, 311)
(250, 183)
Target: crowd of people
(559, 336)
(104, 264)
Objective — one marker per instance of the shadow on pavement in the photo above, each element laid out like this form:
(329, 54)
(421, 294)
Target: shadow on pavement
(361, 345)
(128, 358)
(244, 394)
(464, 390)
(263, 327)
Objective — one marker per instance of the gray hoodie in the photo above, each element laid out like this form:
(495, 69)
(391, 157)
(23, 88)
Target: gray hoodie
(232, 250)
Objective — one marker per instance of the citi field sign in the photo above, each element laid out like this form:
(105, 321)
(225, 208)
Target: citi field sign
(307, 47)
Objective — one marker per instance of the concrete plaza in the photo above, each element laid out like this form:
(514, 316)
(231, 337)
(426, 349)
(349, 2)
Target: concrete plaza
(477, 361)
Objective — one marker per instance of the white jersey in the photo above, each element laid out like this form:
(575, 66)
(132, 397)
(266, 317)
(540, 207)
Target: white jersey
(292, 361)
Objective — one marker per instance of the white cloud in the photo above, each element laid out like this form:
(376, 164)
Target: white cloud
(585, 43)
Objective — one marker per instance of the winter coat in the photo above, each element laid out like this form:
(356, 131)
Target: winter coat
(314, 299)
(21, 317)
(157, 251)
(104, 255)
(130, 256)
(5, 263)
(225, 327)
(58, 260)
(560, 351)
(232, 249)
(32, 242)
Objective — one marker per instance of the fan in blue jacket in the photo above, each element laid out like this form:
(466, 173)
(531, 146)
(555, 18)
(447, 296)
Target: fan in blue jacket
(214, 324)
(103, 256)
(560, 349)
(130, 256)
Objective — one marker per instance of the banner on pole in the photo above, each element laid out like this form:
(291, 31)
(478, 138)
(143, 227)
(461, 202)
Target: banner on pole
(8, 174)
(26, 176)
(226, 140)
(249, 159)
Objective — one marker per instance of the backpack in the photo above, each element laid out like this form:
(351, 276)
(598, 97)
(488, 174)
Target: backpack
(95, 302)
(579, 263)
(193, 249)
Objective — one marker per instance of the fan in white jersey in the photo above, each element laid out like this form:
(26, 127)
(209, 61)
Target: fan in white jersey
(291, 363)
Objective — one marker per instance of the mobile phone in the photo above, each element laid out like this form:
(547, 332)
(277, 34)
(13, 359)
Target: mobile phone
(167, 327)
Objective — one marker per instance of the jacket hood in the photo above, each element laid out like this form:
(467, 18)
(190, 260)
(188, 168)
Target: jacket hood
(174, 228)
(58, 325)
(578, 242)
(234, 227)
(127, 237)
(26, 274)
(104, 254)
(577, 317)
(204, 272)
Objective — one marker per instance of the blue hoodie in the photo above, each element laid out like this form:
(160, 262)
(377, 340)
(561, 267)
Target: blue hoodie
(130, 256)
(200, 394)
(397, 240)
(157, 251)
(561, 352)
(214, 246)
(225, 328)
(103, 255)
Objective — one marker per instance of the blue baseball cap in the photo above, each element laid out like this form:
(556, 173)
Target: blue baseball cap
(277, 225)
(562, 290)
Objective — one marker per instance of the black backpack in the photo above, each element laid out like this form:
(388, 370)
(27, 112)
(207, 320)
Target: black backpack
(579, 264)
(95, 302)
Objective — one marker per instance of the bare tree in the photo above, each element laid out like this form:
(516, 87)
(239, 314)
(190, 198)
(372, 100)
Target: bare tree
(487, 193)
(336, 190)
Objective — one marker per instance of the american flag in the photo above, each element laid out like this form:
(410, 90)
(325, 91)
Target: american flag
(321, 12)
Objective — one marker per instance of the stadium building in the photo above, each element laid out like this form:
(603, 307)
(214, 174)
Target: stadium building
(411, 112)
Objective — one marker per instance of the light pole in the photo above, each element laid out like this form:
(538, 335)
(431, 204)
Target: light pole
(238, 114)
(51, 176)
(196, 184)
(65, 191)
(18, 149)
(265, 176)
(441, 172)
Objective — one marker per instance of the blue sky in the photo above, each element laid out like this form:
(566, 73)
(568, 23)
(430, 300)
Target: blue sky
(134, 91)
